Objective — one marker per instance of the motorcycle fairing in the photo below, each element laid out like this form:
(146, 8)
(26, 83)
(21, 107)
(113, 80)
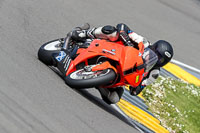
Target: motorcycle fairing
(128, 58)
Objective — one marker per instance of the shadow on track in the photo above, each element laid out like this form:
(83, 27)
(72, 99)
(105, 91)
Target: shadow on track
(97, 101)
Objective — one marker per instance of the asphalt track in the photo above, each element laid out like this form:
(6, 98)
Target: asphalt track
(35, 99)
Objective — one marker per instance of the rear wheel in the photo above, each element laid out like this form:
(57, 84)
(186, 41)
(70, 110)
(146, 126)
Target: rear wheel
(48, 49)
(84, 79)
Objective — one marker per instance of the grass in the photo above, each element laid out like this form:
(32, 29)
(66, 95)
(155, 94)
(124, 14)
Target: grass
(176, 104)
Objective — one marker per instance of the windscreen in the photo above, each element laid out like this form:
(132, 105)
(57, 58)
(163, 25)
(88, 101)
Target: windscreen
(150, 59)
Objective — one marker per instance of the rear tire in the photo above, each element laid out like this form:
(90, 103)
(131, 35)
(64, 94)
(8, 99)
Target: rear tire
(47, 50)
(105, 77)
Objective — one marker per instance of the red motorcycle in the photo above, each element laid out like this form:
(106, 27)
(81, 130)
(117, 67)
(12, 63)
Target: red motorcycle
(95, 63)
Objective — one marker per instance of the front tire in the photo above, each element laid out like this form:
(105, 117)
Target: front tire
(82, 79)
(48, 49)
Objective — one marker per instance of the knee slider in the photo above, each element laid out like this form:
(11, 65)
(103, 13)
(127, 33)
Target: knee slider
(108, 29)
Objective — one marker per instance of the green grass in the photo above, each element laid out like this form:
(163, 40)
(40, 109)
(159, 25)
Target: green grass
(176, 104)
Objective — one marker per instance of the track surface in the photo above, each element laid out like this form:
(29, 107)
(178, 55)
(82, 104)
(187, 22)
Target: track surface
(33, 98)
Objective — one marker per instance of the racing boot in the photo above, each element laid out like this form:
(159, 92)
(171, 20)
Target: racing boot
(111, 97)
(82, 35)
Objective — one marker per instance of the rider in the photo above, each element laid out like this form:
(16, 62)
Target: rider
(162, 50)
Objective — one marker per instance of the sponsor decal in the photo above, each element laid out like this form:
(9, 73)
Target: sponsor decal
(113, 50)
(107, 51)
(61, 56)
(64, 59)
(168, 54)
(67, 62)
(137, 79)
(130, 31)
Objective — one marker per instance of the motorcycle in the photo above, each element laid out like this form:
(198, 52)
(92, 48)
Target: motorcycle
(95, 63)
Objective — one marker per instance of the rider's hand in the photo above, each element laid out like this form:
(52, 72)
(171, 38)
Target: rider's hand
(125, 38)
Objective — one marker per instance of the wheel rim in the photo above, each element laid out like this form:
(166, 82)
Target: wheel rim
(52, 46)
(82, 74)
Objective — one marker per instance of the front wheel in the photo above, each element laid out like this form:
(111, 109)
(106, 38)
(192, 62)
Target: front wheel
(83, 79)
(48, 49)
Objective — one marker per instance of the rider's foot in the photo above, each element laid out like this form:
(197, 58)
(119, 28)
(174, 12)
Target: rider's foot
(112, 97)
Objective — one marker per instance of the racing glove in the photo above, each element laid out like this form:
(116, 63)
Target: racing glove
(125, 38)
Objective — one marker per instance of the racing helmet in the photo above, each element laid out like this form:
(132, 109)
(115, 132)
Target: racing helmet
(164, 51)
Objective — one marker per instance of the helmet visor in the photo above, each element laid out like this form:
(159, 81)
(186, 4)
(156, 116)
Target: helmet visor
(150, 59)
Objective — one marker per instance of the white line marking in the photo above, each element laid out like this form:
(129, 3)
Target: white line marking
(185, 65)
